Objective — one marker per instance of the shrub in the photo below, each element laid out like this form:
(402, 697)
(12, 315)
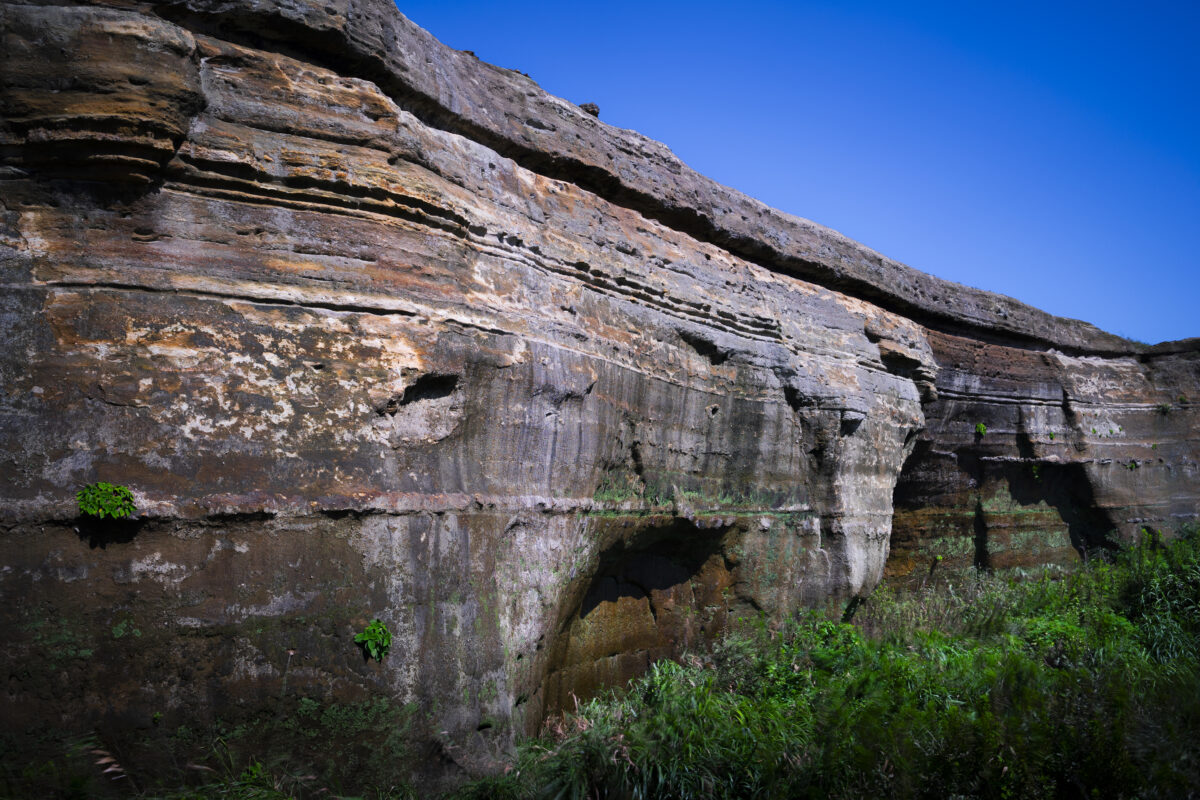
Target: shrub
(980, 429)
(105, 500)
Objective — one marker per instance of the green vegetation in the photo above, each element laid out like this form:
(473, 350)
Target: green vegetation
(666, 488)
(125, 627)
(1057, 683)
(375, 640)
(105, 500)
(1075, 683)
(618, 488)
(308, 748)
(60, 640)
(980, 429)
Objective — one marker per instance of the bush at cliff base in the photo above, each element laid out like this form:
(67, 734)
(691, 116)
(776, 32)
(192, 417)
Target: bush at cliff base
(1079, 684)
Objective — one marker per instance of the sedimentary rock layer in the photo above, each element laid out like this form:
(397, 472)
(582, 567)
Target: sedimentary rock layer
(374, 329)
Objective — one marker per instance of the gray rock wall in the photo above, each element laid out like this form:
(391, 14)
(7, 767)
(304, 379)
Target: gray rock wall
(373, 329)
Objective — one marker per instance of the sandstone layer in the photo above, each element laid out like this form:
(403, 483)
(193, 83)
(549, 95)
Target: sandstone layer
(374, 329)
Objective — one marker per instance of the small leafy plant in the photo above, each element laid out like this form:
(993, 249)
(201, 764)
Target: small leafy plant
(105, 500)
(375, 640)
(980, 429)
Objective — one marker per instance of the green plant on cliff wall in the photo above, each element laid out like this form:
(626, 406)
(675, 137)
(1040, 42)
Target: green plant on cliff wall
(105, 500)
(375, 640)
(980, 429)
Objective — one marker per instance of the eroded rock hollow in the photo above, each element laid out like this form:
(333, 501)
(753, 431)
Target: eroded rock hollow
(374, 329)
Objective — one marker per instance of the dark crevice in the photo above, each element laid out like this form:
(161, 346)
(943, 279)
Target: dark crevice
(907, 493)
(377, 194)
(1068, 409)
(851, 421)
(233, 517)
(557, 396)
(705, 347)
(979, 525)
(624, 289)
(429, 387)
(795, 400)
(353, 308)
(222, 184)
(347, 513)
(1023, 441)
(900, 365)
(851, 609)
(635, 456)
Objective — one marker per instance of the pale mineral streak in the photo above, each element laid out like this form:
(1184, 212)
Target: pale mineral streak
(375, 329)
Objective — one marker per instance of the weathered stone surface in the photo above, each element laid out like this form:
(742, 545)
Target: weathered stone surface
(1079, 451)
(374, 329)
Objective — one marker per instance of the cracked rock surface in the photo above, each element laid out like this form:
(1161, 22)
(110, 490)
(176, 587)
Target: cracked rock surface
(374, 329)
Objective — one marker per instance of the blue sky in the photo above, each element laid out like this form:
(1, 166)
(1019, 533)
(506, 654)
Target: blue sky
(1047, 151)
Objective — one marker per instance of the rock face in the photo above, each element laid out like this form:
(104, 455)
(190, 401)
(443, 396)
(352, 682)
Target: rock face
(375, 329)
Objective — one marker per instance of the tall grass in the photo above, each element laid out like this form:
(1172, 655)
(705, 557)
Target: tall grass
(1080, 683)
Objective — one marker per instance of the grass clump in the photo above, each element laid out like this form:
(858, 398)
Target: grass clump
(1081, 683)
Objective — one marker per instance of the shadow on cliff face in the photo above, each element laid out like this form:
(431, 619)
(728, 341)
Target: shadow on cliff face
(979, 528)
(655, 594)
(100, 533)
(1063, 487)
(1066, 488)
(655, 561)
(992, 512)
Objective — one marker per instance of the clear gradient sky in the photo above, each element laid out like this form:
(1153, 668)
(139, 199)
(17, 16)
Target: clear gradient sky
(1049, 151)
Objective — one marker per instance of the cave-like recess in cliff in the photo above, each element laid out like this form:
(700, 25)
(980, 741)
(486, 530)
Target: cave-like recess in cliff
(660, 590)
